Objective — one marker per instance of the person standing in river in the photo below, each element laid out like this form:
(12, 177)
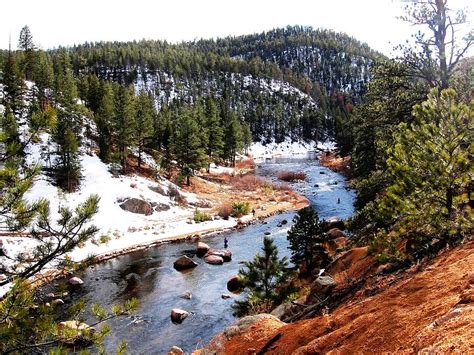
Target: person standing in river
(225, 242)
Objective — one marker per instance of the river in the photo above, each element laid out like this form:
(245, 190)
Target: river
(149, 275)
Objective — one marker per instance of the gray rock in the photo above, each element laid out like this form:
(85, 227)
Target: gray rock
(178, 315)
(187, 295)
(135, 205)
(184, 262)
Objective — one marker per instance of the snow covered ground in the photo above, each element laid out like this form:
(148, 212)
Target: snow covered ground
(287, 148)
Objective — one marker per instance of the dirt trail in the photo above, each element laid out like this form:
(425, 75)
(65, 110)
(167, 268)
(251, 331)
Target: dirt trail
(429, 310)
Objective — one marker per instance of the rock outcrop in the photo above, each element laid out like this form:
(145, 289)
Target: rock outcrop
(136, 205)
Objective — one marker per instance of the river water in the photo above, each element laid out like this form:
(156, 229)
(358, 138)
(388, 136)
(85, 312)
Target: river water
(149, 275)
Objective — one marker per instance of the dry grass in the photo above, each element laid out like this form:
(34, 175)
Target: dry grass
(245, 164)
(247, 182)
(289, 176)
(225, 210)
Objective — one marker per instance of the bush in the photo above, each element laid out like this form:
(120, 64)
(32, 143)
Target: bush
(174, 193)
(240, 209)
(225, 211)
(247, 182)
(200, 216)
(290, 176)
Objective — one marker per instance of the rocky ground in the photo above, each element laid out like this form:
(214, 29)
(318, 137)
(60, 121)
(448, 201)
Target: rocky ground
(428, 308)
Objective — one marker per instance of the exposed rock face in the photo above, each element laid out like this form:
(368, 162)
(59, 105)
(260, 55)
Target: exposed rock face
(75, 281)
(135, 205)
(226, 255)
(178, 315)
(234, 284)
(213, 259)
(202, 249)
(184, 262)
(335, 233)
(334, 222)
(321, 288)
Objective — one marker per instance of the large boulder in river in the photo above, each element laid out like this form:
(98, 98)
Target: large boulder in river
(213, 259)
(178, 315)
(135, 205)
(226, 255)
(184, 262)
(202, 249)
(334, 222)
(234, 284)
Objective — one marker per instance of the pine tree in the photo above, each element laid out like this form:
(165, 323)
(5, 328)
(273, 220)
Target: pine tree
(44, 78)
(145, 114)
(306, 238)
(431, 167)
(13, 84)
(186, 144)
(124, 122)
(264, 279)
(213, 131)
(67, 167)
(65, 85)
(233, 142)
(26, 44)
(104, 119)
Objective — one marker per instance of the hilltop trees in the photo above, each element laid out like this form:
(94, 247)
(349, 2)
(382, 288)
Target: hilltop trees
(123, 124)
(144, 117)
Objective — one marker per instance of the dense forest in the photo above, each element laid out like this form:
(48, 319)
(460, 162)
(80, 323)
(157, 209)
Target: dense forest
(407, 124)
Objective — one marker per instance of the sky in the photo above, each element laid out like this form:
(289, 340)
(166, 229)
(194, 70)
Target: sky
(67, 22)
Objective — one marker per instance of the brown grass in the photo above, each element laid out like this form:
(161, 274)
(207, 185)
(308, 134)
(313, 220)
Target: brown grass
(289, 176)
(247, 182)
(225, 210)
(245, 164)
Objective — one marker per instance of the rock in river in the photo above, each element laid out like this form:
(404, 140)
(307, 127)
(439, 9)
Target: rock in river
(214, 259)
(226, 255)
(178, 315)
(183, 263)
(202, 249)
(234, 284)
(176, 351)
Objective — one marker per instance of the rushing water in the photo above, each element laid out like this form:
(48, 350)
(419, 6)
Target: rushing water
(149, 275)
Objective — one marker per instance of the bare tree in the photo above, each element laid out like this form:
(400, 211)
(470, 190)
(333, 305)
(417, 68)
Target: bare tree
(440, 47)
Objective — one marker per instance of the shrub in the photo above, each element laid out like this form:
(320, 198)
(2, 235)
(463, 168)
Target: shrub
(289, 176)
(200, 216)
(282, 187)
(247, 182)
(240, 209)
(225, 211)
(173, 192)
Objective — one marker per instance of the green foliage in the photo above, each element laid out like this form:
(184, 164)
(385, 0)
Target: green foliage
(306, 238)
(431, 168)
(123, 124)
(240, 209)
(186, 143)
(145, 114)
(265, 280)
(200, 216)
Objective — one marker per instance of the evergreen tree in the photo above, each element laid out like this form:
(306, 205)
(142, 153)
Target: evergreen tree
(105, 119)
(264, 278)
(306, 238)
(26, 44)
(431, 167)
(213, 131)
(233, 142)
(65, 85)
(186, 144)
(123, 126)
(65, 135)
(13, 84)
(145, 114)
(44, 78)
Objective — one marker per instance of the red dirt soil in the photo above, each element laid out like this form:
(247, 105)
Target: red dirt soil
(428, 311)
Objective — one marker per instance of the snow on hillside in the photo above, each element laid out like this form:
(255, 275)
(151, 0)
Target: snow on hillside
(287, 148)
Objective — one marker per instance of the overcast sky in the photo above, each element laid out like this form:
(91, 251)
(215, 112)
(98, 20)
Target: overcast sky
(67, 22)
